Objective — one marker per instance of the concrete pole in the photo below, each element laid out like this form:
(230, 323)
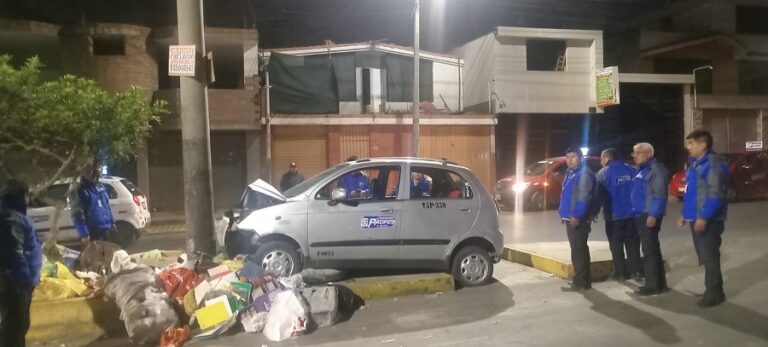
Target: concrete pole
(195, 134)
(416, 98)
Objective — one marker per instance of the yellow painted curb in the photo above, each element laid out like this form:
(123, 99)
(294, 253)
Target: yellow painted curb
(73, 322)
(394, 286)
(600, 270)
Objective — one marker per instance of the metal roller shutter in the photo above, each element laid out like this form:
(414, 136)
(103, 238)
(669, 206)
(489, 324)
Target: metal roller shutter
(469, 146)
(355, 140)
(306, 145)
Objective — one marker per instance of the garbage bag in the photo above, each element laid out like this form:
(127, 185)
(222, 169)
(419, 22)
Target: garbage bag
(322, 276)
(69, 256)
(178, 282)
(58, 283)
(97, 257)
(121, 261)
(252, 320)
(287, 317)
(292, 282)
(146, 310)
(323, 305)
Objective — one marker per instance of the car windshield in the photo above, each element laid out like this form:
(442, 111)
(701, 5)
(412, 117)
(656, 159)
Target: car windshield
(538, 169)
(303, 186)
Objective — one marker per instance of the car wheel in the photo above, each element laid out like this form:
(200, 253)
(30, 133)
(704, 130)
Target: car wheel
(472, 267)
(278, 258)
(124, 235)
(537, 201)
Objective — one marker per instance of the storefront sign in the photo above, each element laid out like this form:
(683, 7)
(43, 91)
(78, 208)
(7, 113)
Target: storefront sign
(607, 83)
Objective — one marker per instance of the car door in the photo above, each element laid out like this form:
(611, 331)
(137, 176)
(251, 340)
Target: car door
(361, 231)
(434, 216)
(41, 213)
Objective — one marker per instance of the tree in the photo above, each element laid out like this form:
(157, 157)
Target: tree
(56, 129)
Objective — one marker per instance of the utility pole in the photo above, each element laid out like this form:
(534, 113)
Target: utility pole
(416, 98)
(195, 134)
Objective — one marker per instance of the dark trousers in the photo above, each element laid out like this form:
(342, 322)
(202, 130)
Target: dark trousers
(655, 275)
(623, 234)
(577, 237)
(14, 316)
(99, 234)
(707, 244)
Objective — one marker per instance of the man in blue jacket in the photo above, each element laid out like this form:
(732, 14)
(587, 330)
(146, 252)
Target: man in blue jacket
(91, 213)
(575, 199)
(705, 208)
(20, 264)
(649, 205)
(614, 191)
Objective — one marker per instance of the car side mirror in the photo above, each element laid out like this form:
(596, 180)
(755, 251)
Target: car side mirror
(229, 214)
(339, 194)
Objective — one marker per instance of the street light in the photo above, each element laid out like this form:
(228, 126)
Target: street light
(695, 98)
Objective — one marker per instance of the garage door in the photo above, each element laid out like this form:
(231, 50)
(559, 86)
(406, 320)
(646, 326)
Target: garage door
(306, 145)
(465, 145)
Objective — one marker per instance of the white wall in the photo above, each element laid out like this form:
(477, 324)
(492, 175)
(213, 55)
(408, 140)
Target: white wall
(478, 58)
(445, 83)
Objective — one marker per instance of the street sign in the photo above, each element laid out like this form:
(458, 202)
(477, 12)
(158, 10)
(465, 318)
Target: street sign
(754, 145)
(181, 60)
(607, 84)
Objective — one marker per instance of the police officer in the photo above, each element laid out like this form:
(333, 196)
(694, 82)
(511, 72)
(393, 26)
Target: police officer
(91, 213)
(575, 198)
(20, 264)
(705, 208)
(649, 205)
(614, 190)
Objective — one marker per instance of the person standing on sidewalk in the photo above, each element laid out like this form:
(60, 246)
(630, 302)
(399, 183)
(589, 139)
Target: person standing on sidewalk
(575, 198)
(20, 264)
(291, 178)
(649, 205)
(614, 189)
(91, 213)
(705, 207)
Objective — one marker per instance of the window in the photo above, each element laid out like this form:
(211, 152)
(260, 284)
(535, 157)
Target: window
(108, 44)
(545, 55)
(433, 183)
(368, 184)
(131, 187)
(111, 192)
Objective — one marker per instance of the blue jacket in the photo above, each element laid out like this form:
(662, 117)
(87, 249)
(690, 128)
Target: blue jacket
(615, 190)
(21, 256)
(577, 192)
(650, 187)
(355, 181)
(90, 208)
(707, 191)
(419, 187)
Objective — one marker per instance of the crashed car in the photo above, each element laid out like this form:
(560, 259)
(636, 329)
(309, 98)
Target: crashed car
(392, 213)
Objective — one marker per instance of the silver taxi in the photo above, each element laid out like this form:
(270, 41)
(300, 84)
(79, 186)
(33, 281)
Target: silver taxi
(397, 213)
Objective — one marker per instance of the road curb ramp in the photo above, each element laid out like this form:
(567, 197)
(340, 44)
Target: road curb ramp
(401, 285)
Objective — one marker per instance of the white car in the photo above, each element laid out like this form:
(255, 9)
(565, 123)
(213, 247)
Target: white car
(129, 209)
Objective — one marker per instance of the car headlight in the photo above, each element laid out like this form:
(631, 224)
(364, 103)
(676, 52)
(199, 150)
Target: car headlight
(520, 187)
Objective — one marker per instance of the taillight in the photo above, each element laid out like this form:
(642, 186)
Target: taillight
(136, 200)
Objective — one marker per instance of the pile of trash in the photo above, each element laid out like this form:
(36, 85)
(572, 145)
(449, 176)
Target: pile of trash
(70, 274)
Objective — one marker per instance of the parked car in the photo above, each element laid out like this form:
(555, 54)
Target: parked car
(129, 209)
(748, 177)
(447, 222)
(540, 186)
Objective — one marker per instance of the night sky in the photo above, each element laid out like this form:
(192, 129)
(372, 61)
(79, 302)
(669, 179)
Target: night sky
(445, 24)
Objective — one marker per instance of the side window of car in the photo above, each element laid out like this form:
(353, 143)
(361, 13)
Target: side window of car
(111, 192)
(376, 183)
(55, 194)
(433, 183)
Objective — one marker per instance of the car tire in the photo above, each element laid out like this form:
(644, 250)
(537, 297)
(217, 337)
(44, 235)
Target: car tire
(536, 201)
(124, 235)
(278, 258)
(472, 266)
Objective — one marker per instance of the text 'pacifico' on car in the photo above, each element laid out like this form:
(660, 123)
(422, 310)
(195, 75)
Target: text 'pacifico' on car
(539, 187)
(128, 205)
(392, 213)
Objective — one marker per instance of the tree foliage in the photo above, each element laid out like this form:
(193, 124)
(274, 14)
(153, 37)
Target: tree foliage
(63, 126)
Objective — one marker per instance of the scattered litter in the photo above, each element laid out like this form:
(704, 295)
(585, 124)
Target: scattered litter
(426, 337)
(388, 341)
(395, 299)
(288, 317)
(439, 293)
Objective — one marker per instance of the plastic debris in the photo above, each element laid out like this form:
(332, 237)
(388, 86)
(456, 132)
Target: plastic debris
(288, 317)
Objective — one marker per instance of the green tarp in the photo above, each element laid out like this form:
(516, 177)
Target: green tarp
(302, 84)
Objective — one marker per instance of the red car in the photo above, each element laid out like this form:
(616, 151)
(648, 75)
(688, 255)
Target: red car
(748, 177)
(540, 186)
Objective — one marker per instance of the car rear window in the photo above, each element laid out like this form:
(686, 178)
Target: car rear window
(131, 187)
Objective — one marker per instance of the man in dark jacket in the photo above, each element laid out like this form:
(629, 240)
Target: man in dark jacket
(650, 187)
(291, 178)
(20, 264)
(705, 208)
(575, 198)
(91, 213)
(614, 189)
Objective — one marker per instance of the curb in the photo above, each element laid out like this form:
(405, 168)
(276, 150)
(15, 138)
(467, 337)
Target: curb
(72, 322)
(395, 286)
(600, 270)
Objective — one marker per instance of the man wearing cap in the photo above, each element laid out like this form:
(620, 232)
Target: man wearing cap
(291, 178)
